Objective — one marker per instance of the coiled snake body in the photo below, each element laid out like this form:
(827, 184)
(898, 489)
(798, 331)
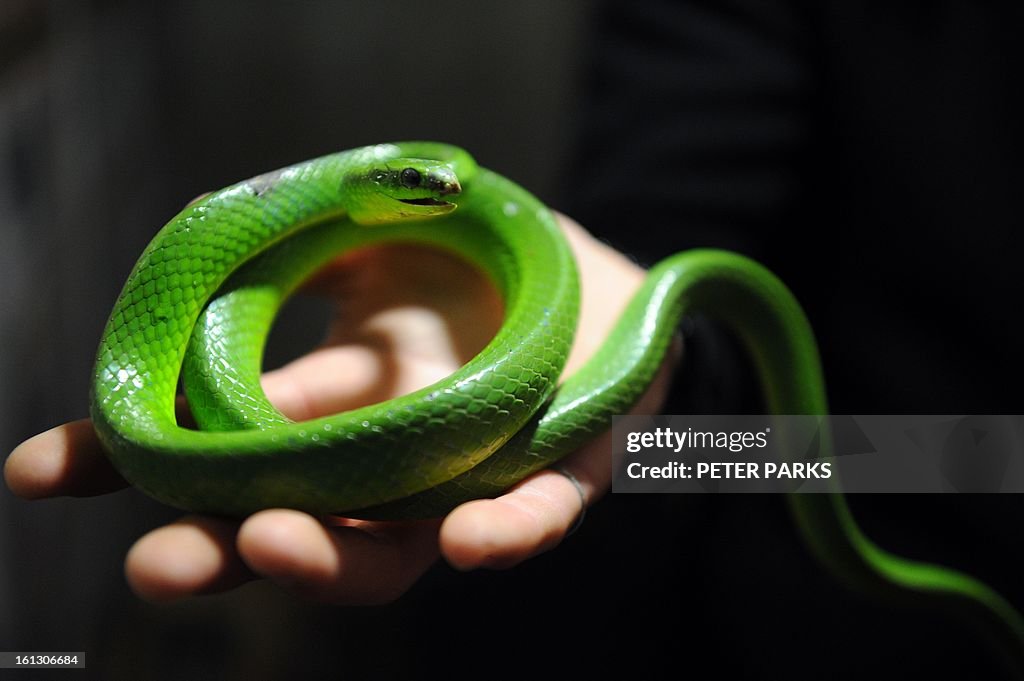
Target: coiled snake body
(202, 297)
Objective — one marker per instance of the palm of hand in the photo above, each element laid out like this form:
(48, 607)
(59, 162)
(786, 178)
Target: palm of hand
(405, 318)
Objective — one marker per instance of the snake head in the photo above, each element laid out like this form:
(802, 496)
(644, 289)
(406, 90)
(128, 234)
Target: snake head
(403, 188)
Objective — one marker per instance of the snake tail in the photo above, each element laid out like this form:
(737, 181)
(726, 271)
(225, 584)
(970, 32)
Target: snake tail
(770, 323)
(201, 300)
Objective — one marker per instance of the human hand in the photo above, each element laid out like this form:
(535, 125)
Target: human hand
(410, 317)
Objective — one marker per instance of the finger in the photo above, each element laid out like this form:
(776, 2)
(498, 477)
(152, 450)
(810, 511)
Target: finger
(531, 518)
(535, 515)
(360, 564)
(309, 386)
(193, 556)
(66, 460)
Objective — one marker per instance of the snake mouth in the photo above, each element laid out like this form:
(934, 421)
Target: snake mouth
(427, 201)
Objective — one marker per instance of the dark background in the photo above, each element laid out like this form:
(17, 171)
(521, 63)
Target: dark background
(870, 153)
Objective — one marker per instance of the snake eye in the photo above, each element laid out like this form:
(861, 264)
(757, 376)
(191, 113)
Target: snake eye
(410, 178)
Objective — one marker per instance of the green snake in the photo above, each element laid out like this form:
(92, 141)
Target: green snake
(201, 300)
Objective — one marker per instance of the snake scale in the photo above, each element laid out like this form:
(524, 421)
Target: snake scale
(202, 298)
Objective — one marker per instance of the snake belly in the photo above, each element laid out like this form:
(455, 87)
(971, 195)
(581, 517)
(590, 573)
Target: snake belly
(201, 300)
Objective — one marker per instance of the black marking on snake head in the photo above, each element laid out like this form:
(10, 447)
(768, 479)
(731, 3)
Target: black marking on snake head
(261, 185)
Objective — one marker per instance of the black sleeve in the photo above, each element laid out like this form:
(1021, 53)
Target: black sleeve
(868, 154)
(696, 133)
(695, 127)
